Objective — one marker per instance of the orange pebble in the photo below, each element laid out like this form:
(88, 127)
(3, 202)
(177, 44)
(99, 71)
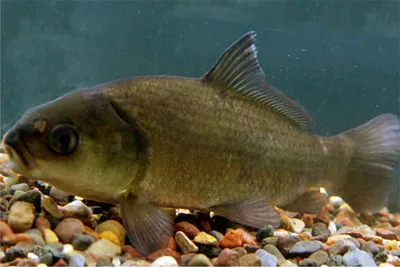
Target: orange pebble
(232, 239)
(109, 235)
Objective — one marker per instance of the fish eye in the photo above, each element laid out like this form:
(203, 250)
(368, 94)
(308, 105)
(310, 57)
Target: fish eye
(63, 139)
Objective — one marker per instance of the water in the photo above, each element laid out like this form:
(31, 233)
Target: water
(340, 59)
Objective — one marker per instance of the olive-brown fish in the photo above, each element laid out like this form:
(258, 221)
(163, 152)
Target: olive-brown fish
(227, 142)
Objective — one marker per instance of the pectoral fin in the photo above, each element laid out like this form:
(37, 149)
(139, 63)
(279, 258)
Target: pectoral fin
(254, 213)
(311, 201)
(148, 227)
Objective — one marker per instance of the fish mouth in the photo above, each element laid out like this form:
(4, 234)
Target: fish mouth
(20, 159)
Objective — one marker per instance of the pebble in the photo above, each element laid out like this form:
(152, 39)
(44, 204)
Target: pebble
(227, 257)
(250, 260)
(266, 258)
(232, 239)
(264, 232)
(189, 229)
(67, 228)
(184, 243)
(21, 187)
(205, 239)
(42, 223)
(242, 251)
(386, 234)
(340, 247)
(104, 248)
(270, 241)
(285, 243)
(32, 196)
(186, 258)
(47, 259)
(248, 238)
(356, 257)
(13, 253)
(320, 228)
(50, 206)
(76, 259)
(113, 226)
(217, 235)
(297, 225)
(319, 256)
(200, 260)
(59, 195)
(163, 252)
(274, 251)
(305, 248)
(336, 260)
(165, 261)
(110, 236)
(210, 252)
(76, 208)
(81, 242)
(49, 236)
(21, 216)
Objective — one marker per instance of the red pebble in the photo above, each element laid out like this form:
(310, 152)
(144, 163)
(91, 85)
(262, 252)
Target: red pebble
(205, 226)
(386, 234)
(189, 229)
(60, 263)
(172, 244)
(232, 239)
(132, 251)
(308, 220)
(42, 223)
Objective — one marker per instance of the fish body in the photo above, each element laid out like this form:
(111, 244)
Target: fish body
(227, 142)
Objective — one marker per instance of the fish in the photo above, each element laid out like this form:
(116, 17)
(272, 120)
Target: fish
(227, 142)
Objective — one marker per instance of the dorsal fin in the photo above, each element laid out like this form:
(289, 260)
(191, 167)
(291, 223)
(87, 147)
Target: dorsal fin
(239, 70)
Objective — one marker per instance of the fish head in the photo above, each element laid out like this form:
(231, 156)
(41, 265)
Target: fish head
(78, 143)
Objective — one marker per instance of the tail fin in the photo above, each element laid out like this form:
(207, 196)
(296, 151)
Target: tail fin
(375, 153)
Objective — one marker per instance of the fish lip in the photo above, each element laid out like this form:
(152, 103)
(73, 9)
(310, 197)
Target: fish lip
(21, 155)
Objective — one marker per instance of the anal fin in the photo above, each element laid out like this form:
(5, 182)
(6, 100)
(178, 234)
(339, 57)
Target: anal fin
(148, 227)
(254, 213)
(311, 201)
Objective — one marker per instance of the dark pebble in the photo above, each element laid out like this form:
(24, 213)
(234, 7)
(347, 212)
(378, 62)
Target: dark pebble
(322, 238)
(34, 197)
(56, 250)
(39, 250)
(216, 234)
(210, 252)
(370, 247)
(285, 243)
(47, 259)
(251, 248)
(13, 253)
(305, 248)
(81, 242)
(381, 257)
(220, 224)
(264, 232)
(320, 228)
(308, 262)
(6, 192)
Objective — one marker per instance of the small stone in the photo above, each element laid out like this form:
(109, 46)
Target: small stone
(42, 223)
(386, 234)
(103, 248)
(335, 238)
(76, 208)
(250, 260)
(49, 236)
(281, 232)
(200, 260)
(133, 252)
(266, 258)
(227, 257)
(270, 241)
(165, 261)
(232, 239)
(217, 235)
(251, 248)
(242, 251)
(32, 196)
(274, 251)
(184, 243)
(340, 247)
(332, 227)
(210, 252)
(336, 260)
(308, 220)
(110, 236)
(305, 248)
(264, 232)
(248, 238)
(47, 259)
(297, 225)
(308, 262)
(59, 195)
(14, 252)
(335, 201)
(81, 242)
(322, 238)
(21, 187)
(67, 228)
(21, 216)
(320, 229)
(323, 216)
(186, 258)
(114, 226)
(189, 229)
(50, 206)
(164, 252)
(304, 236)
(205, 239)
(285, 243)
(319, 256)
(76, 259)
(356, 257)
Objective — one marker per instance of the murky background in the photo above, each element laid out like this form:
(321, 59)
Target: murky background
(340, 59)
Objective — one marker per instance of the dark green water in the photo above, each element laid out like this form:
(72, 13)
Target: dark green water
(340, 59)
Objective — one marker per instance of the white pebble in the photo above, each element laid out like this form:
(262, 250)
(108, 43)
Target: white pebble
(116, 262)
(332, 227)
(67, 249)
(41, 265)
(33, 257)
(165, 261)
